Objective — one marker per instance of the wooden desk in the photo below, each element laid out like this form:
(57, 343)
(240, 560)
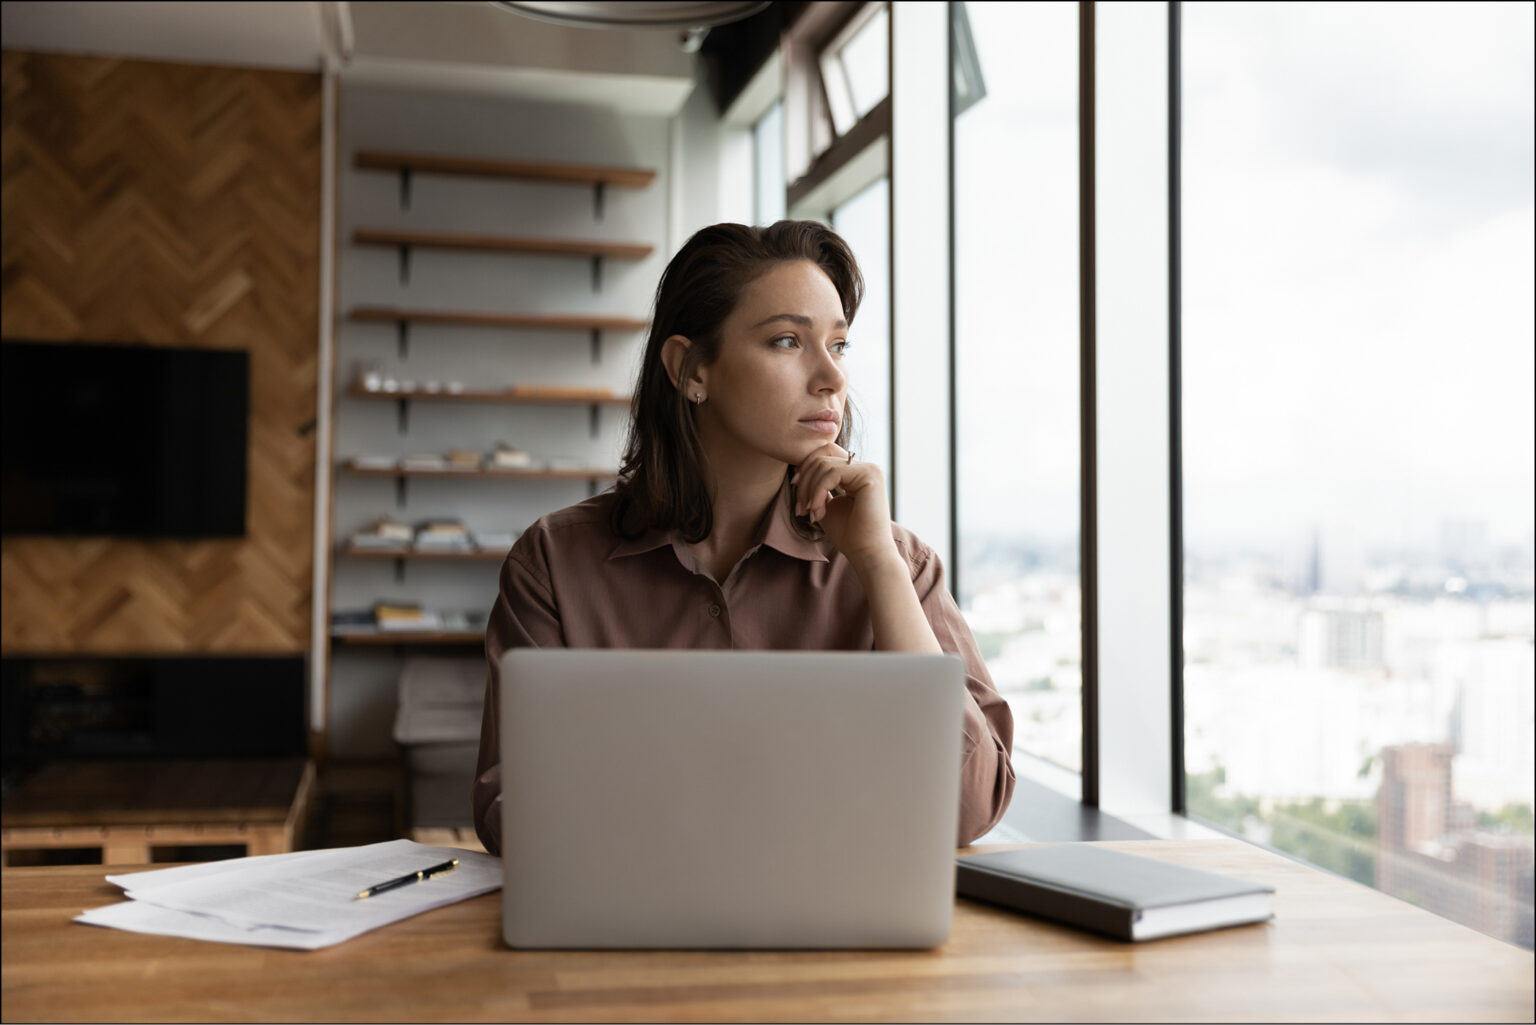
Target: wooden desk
(1336, 951)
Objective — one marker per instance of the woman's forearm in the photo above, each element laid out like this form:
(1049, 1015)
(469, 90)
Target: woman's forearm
(894, 611)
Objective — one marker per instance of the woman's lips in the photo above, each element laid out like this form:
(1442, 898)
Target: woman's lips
(821, 426)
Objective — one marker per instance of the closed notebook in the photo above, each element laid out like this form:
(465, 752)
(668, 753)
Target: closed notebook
(1107, 891)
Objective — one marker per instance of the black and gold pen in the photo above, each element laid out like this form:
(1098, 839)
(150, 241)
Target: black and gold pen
(414, 877)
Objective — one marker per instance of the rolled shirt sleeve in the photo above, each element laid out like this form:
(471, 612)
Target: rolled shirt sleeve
(986, 769)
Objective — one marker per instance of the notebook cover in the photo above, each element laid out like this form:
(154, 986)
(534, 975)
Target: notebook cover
(1090, 887)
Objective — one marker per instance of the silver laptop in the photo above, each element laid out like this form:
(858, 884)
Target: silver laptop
(753, 800)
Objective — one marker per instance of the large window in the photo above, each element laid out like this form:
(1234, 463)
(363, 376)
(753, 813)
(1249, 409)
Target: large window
(1017, 349)
(855, 73)
(768, 166)
(1357, 340)
(865, 223)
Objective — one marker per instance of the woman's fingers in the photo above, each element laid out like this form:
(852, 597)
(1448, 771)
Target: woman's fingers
(816, 478)
(821, 480)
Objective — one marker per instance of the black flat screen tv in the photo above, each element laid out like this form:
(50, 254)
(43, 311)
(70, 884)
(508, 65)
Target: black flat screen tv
(123, 440)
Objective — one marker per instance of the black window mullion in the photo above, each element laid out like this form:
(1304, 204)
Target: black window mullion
(1175, 421)
(1088, 409)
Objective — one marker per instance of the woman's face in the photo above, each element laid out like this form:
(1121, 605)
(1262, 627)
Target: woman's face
(778, 387)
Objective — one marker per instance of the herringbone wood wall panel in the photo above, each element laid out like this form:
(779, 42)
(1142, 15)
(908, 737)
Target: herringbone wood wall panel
(170, 204)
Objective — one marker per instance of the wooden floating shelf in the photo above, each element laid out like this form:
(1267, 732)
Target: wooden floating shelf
(412, 553)
(527, 170)
(499, 243)
(392, 315)
(377, 636)
(495, 474)
(573, 398)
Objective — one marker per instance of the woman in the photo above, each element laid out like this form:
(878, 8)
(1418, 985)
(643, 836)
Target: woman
(740, 519)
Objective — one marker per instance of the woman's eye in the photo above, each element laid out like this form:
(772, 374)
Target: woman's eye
(841, 348)
(783, 338)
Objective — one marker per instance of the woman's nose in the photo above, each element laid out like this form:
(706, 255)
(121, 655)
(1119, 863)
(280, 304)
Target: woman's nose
(828, 376)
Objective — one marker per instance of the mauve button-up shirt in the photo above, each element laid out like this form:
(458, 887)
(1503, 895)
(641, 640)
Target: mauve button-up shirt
(571, 582)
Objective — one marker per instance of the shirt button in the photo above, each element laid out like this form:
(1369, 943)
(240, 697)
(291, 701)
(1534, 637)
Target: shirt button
(714, 610)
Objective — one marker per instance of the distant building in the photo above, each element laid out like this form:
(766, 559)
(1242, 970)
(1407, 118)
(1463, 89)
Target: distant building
(1314, 579)
(1339, 634)
(1414, 803)
(1428, 851)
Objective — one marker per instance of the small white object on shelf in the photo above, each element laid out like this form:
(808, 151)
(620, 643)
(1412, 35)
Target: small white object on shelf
(506, 457)
(389, 528)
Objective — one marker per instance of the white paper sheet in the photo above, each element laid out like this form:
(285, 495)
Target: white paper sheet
(137, 916)
(305, 900)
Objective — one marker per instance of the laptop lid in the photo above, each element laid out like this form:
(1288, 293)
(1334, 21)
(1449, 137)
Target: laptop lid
(729, 799)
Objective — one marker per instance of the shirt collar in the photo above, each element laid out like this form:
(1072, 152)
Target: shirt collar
(779, 534)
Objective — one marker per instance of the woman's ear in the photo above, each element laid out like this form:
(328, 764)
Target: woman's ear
(673, 351)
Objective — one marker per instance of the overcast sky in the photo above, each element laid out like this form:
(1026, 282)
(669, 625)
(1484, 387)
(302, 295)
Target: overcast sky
(1358, 243)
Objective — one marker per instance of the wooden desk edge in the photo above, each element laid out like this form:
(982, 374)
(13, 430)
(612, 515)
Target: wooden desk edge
(996, 966)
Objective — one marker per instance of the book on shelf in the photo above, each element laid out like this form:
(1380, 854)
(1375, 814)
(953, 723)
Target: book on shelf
(392, 615)
(423, 461)
(375, 543)
(1122, 895)
(444, 547)
(353, 618)
(387, 529)
(425, 621)
(375, 463)
(442, 536)
(464, 459)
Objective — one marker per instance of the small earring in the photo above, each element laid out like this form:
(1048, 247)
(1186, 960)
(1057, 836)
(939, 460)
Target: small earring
(698, 398)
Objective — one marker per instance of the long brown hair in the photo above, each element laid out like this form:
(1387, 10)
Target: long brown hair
(661, 480)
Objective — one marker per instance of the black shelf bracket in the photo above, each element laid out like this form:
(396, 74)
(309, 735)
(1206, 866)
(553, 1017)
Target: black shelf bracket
(596, 412)
(597, 200)
(405, 263)
(597, 273)
(403, 338)
(597, 346)
(399, 570)
(401, 481)
(591, 487)
(403, 413)
(405, 188)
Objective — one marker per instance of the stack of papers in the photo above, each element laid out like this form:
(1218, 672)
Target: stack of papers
(303, 901)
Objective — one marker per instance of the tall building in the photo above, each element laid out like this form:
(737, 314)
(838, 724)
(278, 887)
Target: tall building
(1414, 802)
(1429, 852)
